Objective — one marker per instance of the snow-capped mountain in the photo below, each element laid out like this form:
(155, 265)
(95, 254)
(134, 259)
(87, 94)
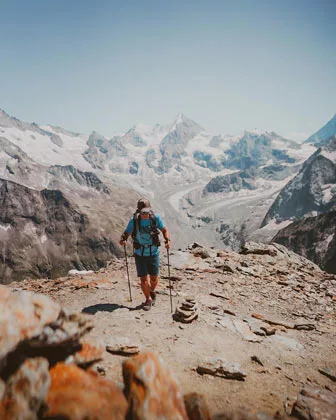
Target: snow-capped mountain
(45, 145)
(324, 133)
(313, 189)
(201, 183)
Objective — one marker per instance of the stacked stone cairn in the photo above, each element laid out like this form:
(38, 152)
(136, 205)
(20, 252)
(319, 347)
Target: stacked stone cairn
(187, 311)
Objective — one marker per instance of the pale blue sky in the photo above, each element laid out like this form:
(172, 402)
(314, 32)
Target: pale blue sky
(229, 65)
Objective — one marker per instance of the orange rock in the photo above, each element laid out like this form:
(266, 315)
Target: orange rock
(196, 407)
(76, 394)
(90, 353)
(23, 316)
(257, 316)
(26, 391)
(152, 389)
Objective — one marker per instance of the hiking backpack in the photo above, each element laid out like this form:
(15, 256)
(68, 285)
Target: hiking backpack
(154, 231)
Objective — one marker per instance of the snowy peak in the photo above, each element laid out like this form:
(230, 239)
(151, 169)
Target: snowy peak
(327, 131)
(312, 190)
(7, 121)
(182, 120)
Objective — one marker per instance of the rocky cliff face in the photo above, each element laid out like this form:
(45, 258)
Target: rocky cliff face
(231, 182)
(72, 175)
(313, 238)
(43, 233)
(101, 150)
(311, 190)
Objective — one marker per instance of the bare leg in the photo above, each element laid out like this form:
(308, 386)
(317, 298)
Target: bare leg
(153, 282)
(145, 286)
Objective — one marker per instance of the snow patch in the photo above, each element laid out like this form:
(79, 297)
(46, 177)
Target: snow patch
(328, 239)
(328, 193)
(329, 155)
(5, 227)
(273, 225)
(81, 272)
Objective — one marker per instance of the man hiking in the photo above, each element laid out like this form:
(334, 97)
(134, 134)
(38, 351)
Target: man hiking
(144, 227)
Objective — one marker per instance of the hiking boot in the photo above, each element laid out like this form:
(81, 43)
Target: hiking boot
(153, 296)
(147, 305)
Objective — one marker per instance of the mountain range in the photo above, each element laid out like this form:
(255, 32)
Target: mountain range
(216, 188)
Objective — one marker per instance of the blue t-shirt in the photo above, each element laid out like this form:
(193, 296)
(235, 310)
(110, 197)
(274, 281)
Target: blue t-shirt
(143, 235)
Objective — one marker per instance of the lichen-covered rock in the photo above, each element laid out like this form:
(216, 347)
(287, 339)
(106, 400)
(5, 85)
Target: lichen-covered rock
(33, 325)
(89, 354)
(23, 316)
(151, 389)
(76, 394)
(26, 391)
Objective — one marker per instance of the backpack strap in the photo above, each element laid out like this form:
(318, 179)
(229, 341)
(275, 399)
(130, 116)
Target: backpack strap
(152, 219)
(135, 225)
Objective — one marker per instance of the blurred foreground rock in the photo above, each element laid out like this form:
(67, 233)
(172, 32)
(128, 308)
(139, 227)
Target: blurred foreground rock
(152, 390)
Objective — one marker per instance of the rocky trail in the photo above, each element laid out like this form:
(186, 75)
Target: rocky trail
(250, 330)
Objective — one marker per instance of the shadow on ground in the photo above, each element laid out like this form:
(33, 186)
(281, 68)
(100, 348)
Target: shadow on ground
(108, 307)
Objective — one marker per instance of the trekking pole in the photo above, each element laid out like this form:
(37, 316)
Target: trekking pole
(170, 291)
(129, 284)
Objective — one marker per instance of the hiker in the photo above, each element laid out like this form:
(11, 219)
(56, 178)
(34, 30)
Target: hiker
(144, 227)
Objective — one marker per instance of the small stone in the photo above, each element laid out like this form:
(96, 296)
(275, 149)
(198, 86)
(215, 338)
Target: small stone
(196, 407)
(227, 311)
(257, 360)
(329, 373)
(268, 330)
(222, 368)
(306, 327)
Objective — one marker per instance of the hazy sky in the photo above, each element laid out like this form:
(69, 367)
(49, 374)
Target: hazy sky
(229, 65)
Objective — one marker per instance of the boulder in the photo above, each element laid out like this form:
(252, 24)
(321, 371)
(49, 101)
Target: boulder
(26, 391)
(258, 248)
(23, 316)
(151, 389)
(77, 394)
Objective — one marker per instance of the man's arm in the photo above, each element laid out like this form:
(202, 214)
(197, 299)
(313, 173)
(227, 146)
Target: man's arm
(166, 237)
(127, 233)
(123, 238)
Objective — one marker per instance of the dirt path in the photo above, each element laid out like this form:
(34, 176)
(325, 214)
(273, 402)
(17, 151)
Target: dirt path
(290, 357)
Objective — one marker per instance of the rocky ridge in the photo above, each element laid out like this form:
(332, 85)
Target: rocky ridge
(311, 190)
(264, 338)
(313, 238)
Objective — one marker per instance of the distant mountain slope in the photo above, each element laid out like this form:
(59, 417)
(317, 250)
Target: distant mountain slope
(313, 238)
(170, 163)
(256, 149)
(312, 189)
(47, 145)
(48, 232)
(324, 133)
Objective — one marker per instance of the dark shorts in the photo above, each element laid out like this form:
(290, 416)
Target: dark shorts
(147, 265)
